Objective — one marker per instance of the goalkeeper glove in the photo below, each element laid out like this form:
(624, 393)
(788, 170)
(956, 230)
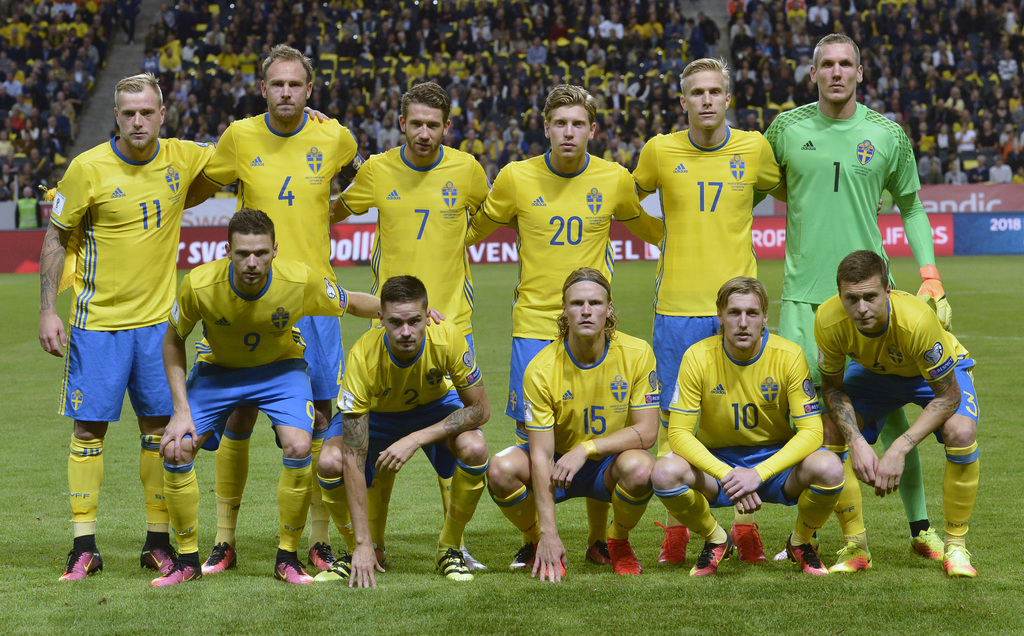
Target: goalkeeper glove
(931, 292)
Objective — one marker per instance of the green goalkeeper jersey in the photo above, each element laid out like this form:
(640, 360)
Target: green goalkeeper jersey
(835, 172)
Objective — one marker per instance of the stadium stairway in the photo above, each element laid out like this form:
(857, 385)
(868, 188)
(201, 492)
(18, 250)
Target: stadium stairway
(96, 123)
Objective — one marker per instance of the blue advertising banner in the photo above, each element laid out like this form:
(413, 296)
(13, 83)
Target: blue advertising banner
(988, 233)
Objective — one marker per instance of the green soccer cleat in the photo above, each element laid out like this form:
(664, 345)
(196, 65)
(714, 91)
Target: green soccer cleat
(851, 558)
(453, 566)
(928, 544)
(711, 555)
(957, 562)
(340, 570)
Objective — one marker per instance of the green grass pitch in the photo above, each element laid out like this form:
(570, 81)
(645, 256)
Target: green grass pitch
(903, 593)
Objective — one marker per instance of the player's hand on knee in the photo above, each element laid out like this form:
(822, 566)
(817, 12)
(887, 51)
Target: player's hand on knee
(740, 482)
(178, 438)
(435, 316)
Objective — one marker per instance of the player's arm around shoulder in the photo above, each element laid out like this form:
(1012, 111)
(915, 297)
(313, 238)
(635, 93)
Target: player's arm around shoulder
(630, 213)
(770, 177)
(498, 207)
(645, 175)
(358, 194)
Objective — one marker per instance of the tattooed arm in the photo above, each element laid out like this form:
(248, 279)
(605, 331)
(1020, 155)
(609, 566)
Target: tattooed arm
(356, 442)
(935, 413)
(842, 417)
(473, 415)
(51, 266)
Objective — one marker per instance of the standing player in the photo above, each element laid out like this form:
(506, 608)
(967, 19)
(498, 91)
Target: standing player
(561, 205)
(590, 405)
(744, 385)
(708, 176)
(284, 162)
(900, 354)
(837, 156)
(119, 206)
(250, 355)
(424, 194)
(396, 398)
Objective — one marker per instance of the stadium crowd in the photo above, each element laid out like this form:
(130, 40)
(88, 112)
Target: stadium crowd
(948, 71)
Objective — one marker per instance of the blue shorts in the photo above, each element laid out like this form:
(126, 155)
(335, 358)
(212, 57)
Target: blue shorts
(101, 365)
(588, 482)
(279, 389)
(324, 354)
(673, 335)
(388, 428)
(523, 350)
(749, 457)
(874, 396)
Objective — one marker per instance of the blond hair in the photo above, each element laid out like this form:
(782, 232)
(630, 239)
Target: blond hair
(742, 285)
(834, 38)
(706, 64)
(137, 84)
(594, 276)
(568, 95)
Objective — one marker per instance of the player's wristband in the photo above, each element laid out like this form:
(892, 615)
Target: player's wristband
(929, 272)
(591, 449)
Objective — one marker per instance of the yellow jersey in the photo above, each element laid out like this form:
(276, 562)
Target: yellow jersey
(289, 178)
(562, 222)
(707, 199)
(129, 216)
(242, 331)
(423, 216)
(580, 403)
(744, 404)
(375, 381)
(913, 342)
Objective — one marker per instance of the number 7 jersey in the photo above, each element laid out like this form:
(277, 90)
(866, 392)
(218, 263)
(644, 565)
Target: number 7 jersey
(129, 215)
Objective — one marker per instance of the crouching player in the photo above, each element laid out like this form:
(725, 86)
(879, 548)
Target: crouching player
(899, 354)
(581, 392)
(251, 356)
(745, 384)
(396, 398)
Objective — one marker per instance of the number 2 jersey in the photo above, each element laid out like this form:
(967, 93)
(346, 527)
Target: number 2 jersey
(583, 402)
(242, 331)
(288, 176)
(744, 404)
(129, 216)
(562, 223)
(835, 172)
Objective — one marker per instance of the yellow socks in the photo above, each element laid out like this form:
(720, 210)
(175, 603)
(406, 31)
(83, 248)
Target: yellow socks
(597, 520)
(293, 493)
(849, 506)
(232, 469)
(814, 507)
(628, 510)
(959, 490)
(151, 472)
(85, 474)
(467, 484)
(319, 517)
(691, 508)
(521, 510)
(182, 492)
(335, 500)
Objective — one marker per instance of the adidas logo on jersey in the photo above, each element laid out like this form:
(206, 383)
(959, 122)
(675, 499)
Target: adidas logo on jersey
(394, 196)
(256, 162)
(567, 396)
(808, 146)
(117, 194)
(223, 322)
(718, 390)
(539, 201)
(680, 169)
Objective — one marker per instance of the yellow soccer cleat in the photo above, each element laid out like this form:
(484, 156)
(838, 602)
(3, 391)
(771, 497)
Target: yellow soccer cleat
(957, 562)
(927, 544)
(850, 559)
(453, 566)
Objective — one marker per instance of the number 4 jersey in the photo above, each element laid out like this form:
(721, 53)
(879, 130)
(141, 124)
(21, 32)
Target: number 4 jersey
(835, 172)
(288, 176)
(129, 216)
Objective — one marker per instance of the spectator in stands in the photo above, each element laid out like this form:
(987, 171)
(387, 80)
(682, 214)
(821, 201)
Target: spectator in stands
(979, 173)
(1000, 172)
